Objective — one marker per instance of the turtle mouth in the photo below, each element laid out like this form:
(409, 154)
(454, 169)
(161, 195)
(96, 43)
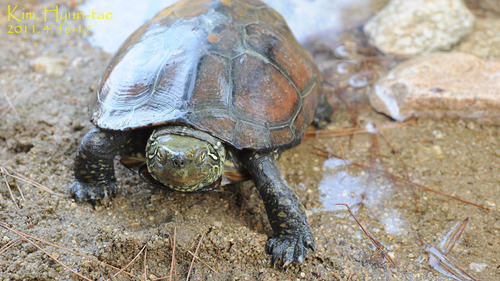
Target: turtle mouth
(146, 176)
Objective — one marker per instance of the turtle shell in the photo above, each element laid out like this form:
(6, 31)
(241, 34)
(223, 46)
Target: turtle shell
(231, 68)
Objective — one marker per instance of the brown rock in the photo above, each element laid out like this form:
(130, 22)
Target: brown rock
(441, 85)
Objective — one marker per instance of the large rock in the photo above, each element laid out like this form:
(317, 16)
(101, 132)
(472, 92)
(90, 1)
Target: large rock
(409, 27)
(441, 85)
(484, 40)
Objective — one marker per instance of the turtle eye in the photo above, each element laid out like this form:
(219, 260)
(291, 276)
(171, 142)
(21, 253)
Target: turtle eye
(200, 157)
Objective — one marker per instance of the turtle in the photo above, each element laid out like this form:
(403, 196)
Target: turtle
(207, 93)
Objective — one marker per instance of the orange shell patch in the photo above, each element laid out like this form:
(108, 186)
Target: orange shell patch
(212, 38)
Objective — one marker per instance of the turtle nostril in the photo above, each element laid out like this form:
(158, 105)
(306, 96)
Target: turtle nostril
(178, 162)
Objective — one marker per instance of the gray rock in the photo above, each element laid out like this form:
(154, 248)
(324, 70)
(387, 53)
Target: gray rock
(456, 85)
(408, 27)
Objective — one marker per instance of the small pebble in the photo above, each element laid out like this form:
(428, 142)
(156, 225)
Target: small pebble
(358, 80)
(391, 255)
(471, 125)
(496, 225)
(438, 134)
(343, 68)
(477, 267)
(342, 52)
(52, 66)
(438, 152)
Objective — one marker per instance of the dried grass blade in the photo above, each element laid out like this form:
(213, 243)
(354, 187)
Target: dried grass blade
(443, 264)
(452, 238)
(195, 252)
(132, 261)
(22, 234)
(9, 244)
(25, 238)
(209, 267)
(368, 234)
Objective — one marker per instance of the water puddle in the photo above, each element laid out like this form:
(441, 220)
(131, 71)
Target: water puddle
(306, 18)
(355, 186)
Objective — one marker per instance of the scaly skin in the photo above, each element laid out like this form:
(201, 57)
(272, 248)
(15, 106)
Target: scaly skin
(94, 167)
(292, 236)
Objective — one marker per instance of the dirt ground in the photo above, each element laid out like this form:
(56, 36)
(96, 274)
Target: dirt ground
(46, 84)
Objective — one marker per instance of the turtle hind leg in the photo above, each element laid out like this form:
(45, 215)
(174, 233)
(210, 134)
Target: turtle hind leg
(94, 167)
(292, 236)
(323, 113)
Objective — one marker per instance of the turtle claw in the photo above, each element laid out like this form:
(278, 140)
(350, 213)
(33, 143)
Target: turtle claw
(289, 248)
(92, 193)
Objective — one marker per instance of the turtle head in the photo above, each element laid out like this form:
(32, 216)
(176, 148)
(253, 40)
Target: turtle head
(185, 159)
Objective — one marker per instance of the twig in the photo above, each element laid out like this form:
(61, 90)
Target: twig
(56, 260)
(22, 234)
(386, 174)
(30, 181)
(136, 256)
(381, 158)
(10, 104)
(173, 263)
(374, 242)
(145, 265)
(352, 131)
(44, 251)
(405, 168)
(453, 236)
(9, 244)
(442, 263)
(343, 158)
(339, 95)
(26, 93)
(440, 193)
(2, 169)
(195, 252)
(373, 155)
(24, 179)
(209, 267)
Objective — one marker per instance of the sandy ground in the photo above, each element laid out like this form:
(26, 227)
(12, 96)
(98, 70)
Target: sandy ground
(43, 110)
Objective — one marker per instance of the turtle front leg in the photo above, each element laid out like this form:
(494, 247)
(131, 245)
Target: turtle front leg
(292, 236)
(94, 167)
